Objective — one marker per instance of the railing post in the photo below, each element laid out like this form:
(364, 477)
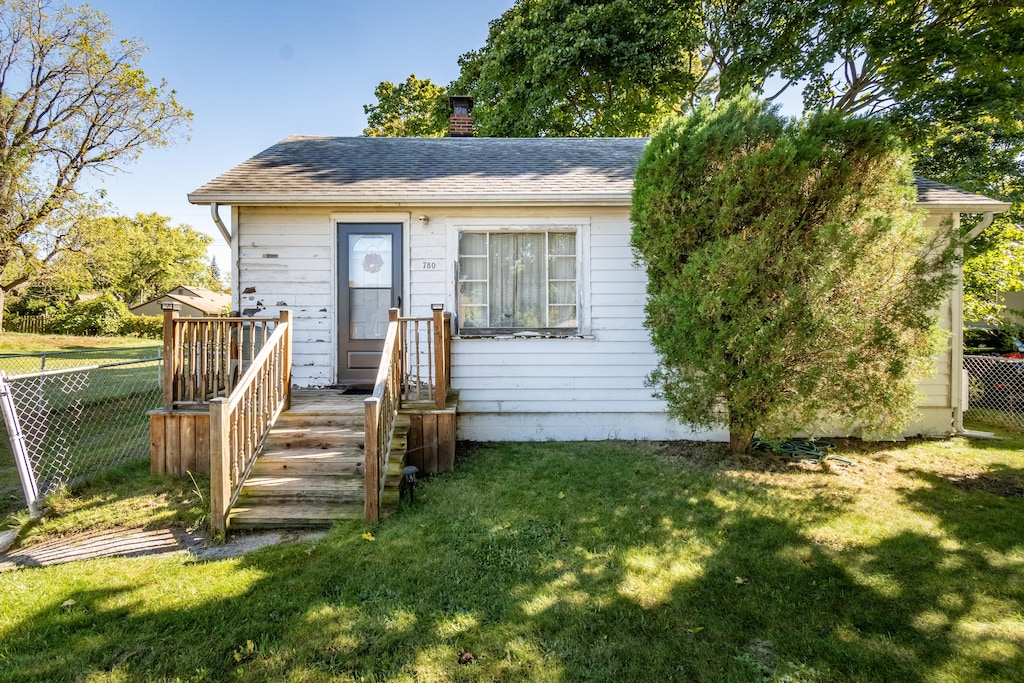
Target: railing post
(220, 464)
(440, 386)
(371, 508)
(447, 351)
(170, 347)
(286, 361)
(393, 314)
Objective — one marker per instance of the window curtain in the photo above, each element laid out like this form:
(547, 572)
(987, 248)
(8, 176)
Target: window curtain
(518, 277)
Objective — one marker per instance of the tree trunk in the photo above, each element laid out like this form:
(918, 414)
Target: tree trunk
(3, 295)
(741, 438)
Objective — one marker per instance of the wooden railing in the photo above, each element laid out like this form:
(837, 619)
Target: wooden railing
(414, 366)
(426, 347)
(205, 357)
(381, 410)
(240, 421)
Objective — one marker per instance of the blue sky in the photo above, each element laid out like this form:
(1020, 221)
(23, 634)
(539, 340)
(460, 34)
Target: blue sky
(256, 71)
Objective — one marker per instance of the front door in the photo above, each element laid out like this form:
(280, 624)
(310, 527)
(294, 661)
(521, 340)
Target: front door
(370, 283)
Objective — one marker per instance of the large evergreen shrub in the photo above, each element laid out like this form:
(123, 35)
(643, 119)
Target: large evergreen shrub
(792, 285)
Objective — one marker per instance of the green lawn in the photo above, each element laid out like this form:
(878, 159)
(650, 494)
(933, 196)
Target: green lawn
(97, 419)
(571, 562)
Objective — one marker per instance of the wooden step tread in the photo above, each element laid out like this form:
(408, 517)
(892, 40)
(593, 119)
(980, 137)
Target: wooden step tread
(313, 419)
(316, 438)
(304, 514)
(340, 452)
(321, 430)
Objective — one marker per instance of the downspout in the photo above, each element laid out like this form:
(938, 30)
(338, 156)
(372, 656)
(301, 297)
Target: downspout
(226, 234)
(959, 377)
(214, 211)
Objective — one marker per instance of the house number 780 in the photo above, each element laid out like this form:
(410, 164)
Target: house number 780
(429, 265)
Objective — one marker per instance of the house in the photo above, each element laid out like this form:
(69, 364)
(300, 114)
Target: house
(196, 302)
(525, 240)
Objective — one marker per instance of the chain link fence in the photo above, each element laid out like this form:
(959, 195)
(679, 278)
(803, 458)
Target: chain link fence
(995, 390)
(24, 363)
(67, 425)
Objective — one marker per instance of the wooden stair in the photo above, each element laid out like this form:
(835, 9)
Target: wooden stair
(310, 470)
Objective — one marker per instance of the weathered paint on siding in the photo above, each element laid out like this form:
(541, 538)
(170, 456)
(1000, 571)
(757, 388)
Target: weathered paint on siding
(286, 259)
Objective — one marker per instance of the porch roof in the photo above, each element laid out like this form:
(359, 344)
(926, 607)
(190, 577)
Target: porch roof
(465, 171)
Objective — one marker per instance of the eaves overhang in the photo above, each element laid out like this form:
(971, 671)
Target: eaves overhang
(445, 199)
(966, 207)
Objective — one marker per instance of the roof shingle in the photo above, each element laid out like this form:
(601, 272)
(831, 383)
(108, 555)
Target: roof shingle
(306, 169)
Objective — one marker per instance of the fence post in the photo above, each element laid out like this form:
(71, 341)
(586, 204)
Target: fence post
(220, 464)
(170, 347)
(286, 318)
(17, 438)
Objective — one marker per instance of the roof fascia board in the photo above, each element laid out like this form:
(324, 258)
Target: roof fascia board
(966, 207)
(566, 199)
(561, 199)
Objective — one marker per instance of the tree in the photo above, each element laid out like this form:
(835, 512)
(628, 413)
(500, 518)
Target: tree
(591, 68)
(984, 156)
(138, 258)
(73, 102)
(416, 108)
(791, 285)
(916, 61)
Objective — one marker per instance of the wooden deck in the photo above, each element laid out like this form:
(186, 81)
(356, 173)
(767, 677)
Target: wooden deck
(310, 471)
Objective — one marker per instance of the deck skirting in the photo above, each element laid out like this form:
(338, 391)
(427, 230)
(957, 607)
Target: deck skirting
(179, 441)
(432, 434)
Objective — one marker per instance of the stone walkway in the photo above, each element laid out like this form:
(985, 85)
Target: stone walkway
(143, 542)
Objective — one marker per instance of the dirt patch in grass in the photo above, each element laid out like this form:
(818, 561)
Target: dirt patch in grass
(987, 482)
(701, 452)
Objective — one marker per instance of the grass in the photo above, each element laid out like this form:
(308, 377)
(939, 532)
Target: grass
(126, 497)
(93, 422)
(585, 561)
(18, 342)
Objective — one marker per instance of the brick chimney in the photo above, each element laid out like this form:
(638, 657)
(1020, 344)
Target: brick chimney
(460, 120)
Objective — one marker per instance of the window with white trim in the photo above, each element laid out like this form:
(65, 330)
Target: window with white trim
(518, 281)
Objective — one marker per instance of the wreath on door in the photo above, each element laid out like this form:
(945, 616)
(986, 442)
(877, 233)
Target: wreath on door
(372, 262)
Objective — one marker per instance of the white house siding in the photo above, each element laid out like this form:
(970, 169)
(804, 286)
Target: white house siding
(590, 387)
(286, 260)
(575, 388)
(940, 392)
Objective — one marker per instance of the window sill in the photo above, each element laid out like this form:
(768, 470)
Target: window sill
(523, 335)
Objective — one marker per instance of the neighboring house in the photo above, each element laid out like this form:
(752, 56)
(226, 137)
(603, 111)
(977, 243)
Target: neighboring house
(196, 302)
(525, 240)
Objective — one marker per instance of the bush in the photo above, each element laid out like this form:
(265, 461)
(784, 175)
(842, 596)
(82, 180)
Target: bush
(102, 316)
(145, 326)
(979, 340)
(791, 284)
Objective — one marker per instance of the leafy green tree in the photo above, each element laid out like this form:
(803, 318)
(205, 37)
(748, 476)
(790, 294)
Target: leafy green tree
(583, 68)
(138, 258)
(416, 108)
(73, 101)
(791, 285)
(984, 156)
(101, 316)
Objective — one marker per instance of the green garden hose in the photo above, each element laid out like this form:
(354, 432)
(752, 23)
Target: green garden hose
(801, 450)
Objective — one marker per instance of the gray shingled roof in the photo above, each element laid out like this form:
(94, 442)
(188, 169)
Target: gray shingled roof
(580, 171)
(931, 192)
(311, 169)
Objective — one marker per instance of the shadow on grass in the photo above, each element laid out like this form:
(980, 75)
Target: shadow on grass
(566, 562)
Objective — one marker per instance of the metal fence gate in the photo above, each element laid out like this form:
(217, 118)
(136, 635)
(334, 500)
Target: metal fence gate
(995, 390)
(67, 425)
